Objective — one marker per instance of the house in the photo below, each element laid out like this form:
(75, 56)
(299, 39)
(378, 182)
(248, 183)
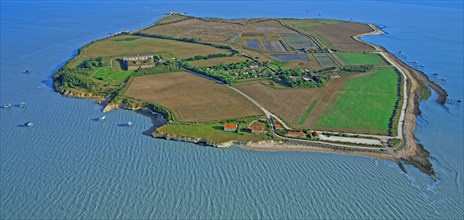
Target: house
(315, 134)
(296, 134)
(230, 127)
(257, 129)
(253, 67)
(277, 126)
(138, 62)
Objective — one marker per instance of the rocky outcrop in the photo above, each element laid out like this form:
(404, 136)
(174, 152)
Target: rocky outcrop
(111, 106)
(79, 94)
(199, 141)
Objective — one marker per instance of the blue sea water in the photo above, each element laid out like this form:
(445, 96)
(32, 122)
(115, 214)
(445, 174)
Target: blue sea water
(70, 166)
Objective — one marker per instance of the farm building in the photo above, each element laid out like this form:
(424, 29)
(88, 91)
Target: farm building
(138, 62)
(296, 134)
(257, 129)
(230, 127)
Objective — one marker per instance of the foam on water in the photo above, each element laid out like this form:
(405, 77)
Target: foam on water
(71, 166)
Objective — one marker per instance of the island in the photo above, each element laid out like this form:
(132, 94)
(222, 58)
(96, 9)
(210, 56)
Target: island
(259, 83)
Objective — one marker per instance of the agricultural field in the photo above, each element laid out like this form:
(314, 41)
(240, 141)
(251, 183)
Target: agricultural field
(216, 30)
(289, 104)
(273, 46)
(340, 35)
(299, 42)
(126, 45)
(259, 55)
(300, 107)
(292, 64)
(307, 113)
(364, 104)
(217, 61)
(171, 19)
(334, 34)
(313, 62)
(360, 58)
(323, 59)
(192, 98)
(201, 29)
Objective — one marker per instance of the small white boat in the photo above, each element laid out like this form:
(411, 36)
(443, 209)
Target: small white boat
(102, 118)
(7, 106)
(21, 104)
(28, 124)
(129, 123)
(27, 71)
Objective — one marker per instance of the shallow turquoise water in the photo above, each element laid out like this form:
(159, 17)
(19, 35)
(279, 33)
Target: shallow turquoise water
(69, 166)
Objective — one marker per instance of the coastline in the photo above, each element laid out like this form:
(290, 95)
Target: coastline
(409, 151)
(289, 147)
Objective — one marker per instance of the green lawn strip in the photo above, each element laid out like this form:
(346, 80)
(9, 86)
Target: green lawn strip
(364, 103)
(305, 116)
(360, 58)
(211, 131)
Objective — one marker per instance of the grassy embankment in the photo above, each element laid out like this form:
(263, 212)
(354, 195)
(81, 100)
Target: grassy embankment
(364, 103)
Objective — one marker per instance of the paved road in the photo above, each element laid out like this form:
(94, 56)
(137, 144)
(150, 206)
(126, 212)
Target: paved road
(353, 140)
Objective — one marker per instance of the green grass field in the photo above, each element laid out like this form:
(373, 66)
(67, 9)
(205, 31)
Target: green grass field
(364, 103)
(107, 74)
(360, 58)
(213, 131)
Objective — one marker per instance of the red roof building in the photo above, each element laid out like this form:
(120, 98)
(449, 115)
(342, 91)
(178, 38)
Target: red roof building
(230, 127)
(296, 134)
(257, 129)
(277, 126)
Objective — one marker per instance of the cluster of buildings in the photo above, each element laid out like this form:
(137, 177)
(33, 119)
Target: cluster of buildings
(233, 127)
(138, 62)
(257, 129)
